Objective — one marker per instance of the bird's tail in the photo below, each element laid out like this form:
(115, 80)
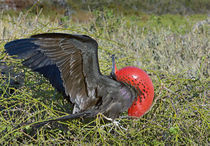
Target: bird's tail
(64, 118)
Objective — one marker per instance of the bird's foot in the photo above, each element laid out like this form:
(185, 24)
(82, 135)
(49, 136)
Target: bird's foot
(113, 124)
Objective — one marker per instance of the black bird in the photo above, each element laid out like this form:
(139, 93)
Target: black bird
(70, 63)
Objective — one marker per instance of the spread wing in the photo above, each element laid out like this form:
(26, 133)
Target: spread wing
(69, 62)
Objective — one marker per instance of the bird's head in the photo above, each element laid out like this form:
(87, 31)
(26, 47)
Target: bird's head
(139, 79)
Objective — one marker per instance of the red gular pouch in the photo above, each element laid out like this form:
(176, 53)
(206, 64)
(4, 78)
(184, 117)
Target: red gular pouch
(143, 84)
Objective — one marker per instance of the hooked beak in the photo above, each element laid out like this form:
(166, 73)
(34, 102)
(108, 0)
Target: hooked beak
(114, 68)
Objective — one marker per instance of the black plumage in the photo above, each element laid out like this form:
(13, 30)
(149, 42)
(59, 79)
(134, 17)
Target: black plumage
(70, 63)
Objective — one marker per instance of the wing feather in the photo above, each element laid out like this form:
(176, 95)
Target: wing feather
(73, 59)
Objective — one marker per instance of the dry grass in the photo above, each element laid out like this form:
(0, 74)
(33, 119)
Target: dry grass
(165, 46)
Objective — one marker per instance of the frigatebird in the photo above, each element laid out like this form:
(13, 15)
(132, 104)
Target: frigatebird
(70, 63)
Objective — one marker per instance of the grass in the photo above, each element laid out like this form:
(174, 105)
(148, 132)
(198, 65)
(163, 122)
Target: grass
(173, 53)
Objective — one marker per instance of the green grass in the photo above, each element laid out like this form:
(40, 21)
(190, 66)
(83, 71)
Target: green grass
(173, 53)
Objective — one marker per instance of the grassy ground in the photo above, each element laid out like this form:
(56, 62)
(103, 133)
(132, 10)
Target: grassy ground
(173, 49)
